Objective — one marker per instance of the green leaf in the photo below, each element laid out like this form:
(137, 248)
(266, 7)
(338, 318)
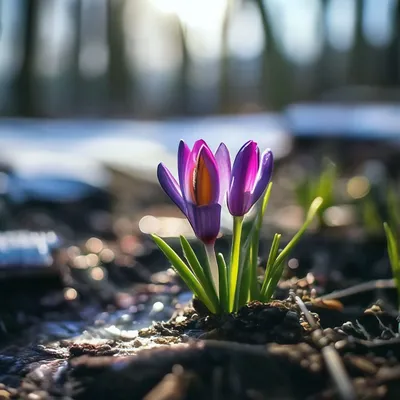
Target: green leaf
(273, 281)
(326, 184)
(273, 253)
(201, 273)
(244, 276)
(391, 246)
(275, 266)
(185, 273)
(370, 215)
(321, 185)
(264, 204)
(393, 210)
(313, 210)
(393, 257)
(249, 288)
(223, 283)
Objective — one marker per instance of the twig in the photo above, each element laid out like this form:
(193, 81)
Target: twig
(331, 357)
(362, 287)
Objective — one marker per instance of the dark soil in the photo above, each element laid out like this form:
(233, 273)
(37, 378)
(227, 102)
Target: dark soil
(104, 345)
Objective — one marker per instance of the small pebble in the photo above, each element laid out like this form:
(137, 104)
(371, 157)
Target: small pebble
(381, 391)
(323, 342)
(137, 343)
(292, 315)
(388, 374)
(340, 345)
(305, 363)
(315, 367)
(145, 332)
(4, 394)
(28, 387)
(362, 364)
(379, 360)
(42, 394)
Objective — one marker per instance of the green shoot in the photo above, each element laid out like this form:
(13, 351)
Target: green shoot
(237, 283)
(393, 252)
(187, 275)
(321, 185)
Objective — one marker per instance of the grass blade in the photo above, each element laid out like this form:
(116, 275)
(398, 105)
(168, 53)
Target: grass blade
(201, 274)
(185, 273)
(275, 263)
(393, 258)
(313, 210)
(223, 283)
(273, 280)
(392, 247)
(393, 211)
(273, 253)
(249, 288)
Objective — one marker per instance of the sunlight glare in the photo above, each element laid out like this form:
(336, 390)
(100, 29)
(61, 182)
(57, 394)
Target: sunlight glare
(194, 13)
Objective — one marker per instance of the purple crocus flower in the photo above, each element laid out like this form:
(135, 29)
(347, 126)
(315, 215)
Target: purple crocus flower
(203, 182)
(249, 178)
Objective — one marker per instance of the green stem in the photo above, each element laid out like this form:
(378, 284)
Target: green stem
(235, 260)
(254, 291)
(212, 262)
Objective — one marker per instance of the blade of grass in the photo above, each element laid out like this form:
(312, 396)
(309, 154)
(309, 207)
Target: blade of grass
(244, 277)
(223, 283)
(370, 215)
(313, 210)
(201, 274)
(185, 273)
(273, 253)
(254, 288)
(393, 211)
(326, 183)
(249, 286)
(275, 269)
(273, 281)
(392, 247)
(393, 258)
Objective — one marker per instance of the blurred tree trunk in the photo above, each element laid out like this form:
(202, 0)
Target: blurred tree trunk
(276, 81)
(120, 76)
(392, 67)
(358, 55)
(324, 67)
(183, 76)
(224, 95)
(76, 53)
(23, 87)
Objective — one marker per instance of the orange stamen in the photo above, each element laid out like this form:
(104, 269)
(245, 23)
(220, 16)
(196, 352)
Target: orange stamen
(202, 184)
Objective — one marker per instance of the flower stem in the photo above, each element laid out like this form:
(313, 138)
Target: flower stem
(212, 261)
(235, 260)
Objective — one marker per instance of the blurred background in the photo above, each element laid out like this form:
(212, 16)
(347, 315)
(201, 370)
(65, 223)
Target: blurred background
(153, 59)
(95, 93)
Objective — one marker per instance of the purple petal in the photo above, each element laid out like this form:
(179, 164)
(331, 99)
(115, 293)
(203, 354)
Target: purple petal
(223, 160)
(243, 176)
(183, 155)
(187, 175)
(198, 144)
(263, 176)
(205, 221)
(183, 161)
(170, 186)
